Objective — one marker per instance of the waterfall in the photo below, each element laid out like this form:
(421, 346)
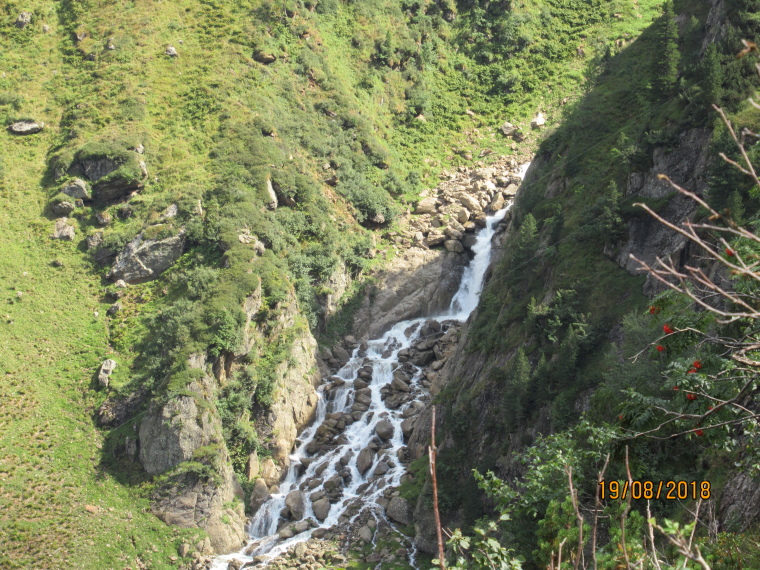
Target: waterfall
(341, 463)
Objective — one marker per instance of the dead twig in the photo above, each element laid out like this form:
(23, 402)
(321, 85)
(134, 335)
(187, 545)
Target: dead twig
(438, 529)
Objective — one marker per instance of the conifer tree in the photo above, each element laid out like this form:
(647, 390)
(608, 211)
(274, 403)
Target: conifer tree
(712, 71)
(666, 68)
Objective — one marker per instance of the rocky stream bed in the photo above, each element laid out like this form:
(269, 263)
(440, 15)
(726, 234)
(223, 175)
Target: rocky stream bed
(339, 498)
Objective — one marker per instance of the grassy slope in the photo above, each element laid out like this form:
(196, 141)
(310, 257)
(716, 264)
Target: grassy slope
(50, 341)
(50, 346)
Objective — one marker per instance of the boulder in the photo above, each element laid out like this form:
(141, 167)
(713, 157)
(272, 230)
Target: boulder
(259, 495)
(365, 460)
(423, 358)
(252, 466)
(451, 233)
(142, 260)
(538, 121)
(434, 239)
(106, 369)
(469, 241)
(77, 189)
(264, 57)
(508, 129)
(497, 203)
(341, 355)
(321, 508)
(384, 430)
(171, 51)
(426, 206)
(103, 218)
(366, 534)
(296, 504)
(62, 208)
(271, 195)
(463, 216)
(511, 190)
(95, 240)
(453, 246)
(400, 385)
(407, 426)
(399, 510)
(26, 127)
(469, 202)
(23, 20)
(63, 230)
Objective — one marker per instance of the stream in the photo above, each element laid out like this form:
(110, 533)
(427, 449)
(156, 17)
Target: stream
(375, 391)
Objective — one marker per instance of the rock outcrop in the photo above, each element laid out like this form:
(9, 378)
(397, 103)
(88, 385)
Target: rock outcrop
(145, 259)
(113, 172)
(190, 501)
(685, 165)
(63, 230)
(187, 432)
(418, 282)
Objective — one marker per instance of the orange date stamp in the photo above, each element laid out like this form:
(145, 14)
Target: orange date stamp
(667, 490)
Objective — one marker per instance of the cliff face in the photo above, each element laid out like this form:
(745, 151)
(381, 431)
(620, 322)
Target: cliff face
(478, 426)
(416, 283)
(648, 239)
(183, 437)
(186, 432)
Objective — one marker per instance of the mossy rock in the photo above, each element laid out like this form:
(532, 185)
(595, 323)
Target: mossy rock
(113, 169)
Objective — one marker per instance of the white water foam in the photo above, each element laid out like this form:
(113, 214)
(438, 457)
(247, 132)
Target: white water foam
(341, 461)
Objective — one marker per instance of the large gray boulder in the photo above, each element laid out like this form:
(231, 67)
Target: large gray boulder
(63, 230)
(259, 495)
(296, 504)
(23, 20)
(365, 460)
(384, 430)
(106, 369)
(321, 508)
(145, 259)
(426, 206)
(63, 208)
(26, 127)
(453, 246)
(399, 510)
(469, 202)
(77, 189)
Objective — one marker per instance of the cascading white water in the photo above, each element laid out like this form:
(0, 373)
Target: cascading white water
(342, 460)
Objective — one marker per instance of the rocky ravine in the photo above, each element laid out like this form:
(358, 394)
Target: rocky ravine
(424, 276)
(343, 478)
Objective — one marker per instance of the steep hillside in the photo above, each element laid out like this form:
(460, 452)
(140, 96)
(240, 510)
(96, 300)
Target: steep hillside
(566, 311)
(216, 183)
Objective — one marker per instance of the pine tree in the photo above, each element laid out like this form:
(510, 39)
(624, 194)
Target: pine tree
(666, 69)
(712, 71)
(517, 380)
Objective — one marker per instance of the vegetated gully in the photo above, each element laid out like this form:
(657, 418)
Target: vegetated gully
(340, 471)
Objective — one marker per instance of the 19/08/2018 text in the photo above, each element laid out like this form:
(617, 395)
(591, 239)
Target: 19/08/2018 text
(668, 490)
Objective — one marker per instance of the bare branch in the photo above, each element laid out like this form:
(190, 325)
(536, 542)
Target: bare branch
(655, 559)
(433, 451)
(739, 145)
(597, 508)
